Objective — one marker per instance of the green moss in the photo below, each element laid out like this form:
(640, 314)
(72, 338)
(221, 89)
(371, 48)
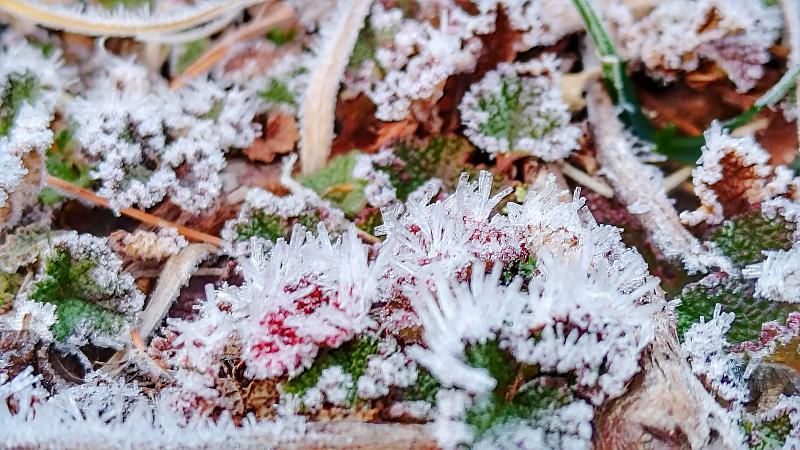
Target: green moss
(442, 157)
(529, 404)
(20, 88)
(281, 36)
(189, 54)
(743, 238)
(425, 389)
(62, 163)
(336, 184)
(735, 295)
(262, 225)
(768, 435)
(69, 285)
(278, 92)
(498, 362)
(523, 269)
(352, 357)
(272, 227)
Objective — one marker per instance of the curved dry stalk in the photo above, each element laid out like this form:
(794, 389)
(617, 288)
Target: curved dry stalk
(338, 36)
(69, 189)
(648, 202)
(174, 275)
(281, 14)
(119, 23)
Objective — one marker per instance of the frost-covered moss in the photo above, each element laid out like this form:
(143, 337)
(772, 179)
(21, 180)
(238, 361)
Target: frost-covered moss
(529, 404)
(272, 227)
(744, 238)
(441, 157)
(424, 389)
(352, 357)
(769, 434)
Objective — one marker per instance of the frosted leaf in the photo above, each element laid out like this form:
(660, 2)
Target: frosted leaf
(732, 176)
(95, 300)
(678, 35)
(148, 141)
(518, 107)
(421, 56)
(301, 297)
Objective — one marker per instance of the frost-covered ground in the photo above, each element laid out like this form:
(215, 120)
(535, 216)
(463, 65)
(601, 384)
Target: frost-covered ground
(433, 223)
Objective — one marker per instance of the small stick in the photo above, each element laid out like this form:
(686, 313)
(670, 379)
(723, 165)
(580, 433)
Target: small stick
(72, 190)
(587, 180)
(204, 63)
(677, 178)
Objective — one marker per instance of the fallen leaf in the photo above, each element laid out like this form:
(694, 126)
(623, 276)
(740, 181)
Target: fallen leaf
(279, 138)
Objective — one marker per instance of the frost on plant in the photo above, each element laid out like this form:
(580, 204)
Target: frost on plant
(420, 55)
(94, 300)
(679, 35)
(30, 84)
(733, 178)
(518, 107)
(148, 142)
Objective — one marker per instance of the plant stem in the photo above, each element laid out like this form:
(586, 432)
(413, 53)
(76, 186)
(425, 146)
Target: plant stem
(70, 189)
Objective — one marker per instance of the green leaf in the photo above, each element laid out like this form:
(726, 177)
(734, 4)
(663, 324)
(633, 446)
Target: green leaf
(278, 92)
(70, 286)
(734, 295)
(335, 183)
(20, 88)
(61, 162)
(745, 237)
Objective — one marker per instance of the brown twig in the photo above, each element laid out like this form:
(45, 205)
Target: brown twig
(280, 14)
(76, 191)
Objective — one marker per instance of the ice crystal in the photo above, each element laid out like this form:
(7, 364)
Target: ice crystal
(541, 22)
(706, 346)
(302, 298)
(148, 245)
(268, 217)
(107, 411)
(780, 275)
(733, 177)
